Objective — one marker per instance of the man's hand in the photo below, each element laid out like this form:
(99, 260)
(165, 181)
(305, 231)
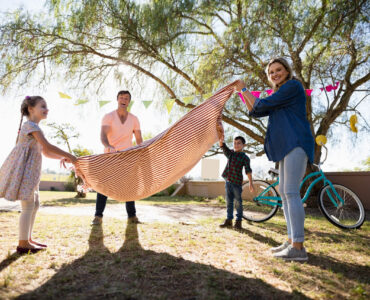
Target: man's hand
(239, 85)
(111, 149)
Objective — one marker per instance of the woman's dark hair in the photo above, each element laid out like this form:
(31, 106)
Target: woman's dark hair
(123, 93)
(286, 65)
(29, 101)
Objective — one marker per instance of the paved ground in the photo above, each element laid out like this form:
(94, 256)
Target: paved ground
(146, 213)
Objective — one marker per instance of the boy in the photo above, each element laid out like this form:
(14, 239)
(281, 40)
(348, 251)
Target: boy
(233, 175)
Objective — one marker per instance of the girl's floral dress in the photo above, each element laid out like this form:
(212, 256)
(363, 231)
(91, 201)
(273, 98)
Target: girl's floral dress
(20, 173)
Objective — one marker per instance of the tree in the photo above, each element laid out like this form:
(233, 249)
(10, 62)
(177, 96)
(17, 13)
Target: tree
(63, 134)
(193, 47)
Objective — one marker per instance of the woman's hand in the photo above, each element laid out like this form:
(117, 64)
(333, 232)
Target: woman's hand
(239, 85)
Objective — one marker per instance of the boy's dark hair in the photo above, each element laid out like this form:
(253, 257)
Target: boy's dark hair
(241, 139)
(123, 93)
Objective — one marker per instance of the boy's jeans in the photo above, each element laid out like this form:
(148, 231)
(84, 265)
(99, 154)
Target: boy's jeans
(234, 191)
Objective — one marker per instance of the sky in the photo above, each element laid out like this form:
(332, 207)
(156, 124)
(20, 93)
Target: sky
(346, 149)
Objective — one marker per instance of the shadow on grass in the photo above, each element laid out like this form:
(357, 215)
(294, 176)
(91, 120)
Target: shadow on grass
(135, 273)
(259, 237)
(9, 260)
(350, 271)
(72, 201)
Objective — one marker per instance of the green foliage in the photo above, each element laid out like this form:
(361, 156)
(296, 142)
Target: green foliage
(191, 47)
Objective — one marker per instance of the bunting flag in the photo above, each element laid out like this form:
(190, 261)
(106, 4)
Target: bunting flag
(330, 87)
(321, 140)
(64, 96)
(188, 99)
(81, 101)
(102, 103)
(269, 92)
(147, 103)
(169, 104)
(256, 94)
(309, 92)
(130, 105)
(206, 96)
(352, 123)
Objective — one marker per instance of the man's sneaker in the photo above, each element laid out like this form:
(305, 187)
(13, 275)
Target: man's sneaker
(238, 224)
(280, 248)
(133, 220)
(227, 223)
(97, 221)
(292, 254)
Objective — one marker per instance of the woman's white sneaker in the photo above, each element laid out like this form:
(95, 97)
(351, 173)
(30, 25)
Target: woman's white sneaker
(280, 248)
(292, 254)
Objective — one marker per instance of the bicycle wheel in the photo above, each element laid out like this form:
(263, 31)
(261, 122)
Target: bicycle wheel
(349, 215)
(254, 210)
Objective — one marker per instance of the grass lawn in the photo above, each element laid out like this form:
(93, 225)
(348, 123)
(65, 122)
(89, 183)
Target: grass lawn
(53, 198)
(175, 261)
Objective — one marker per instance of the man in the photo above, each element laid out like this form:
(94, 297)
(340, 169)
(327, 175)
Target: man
(117, 130)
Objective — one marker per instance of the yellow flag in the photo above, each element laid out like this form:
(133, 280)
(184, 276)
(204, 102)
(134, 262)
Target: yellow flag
(206, 96)
(187, 99)
(169, 104)
(352, 123)
(81, 101)
(65, 96)
(321, 140)
(147, 103)
(102, 103)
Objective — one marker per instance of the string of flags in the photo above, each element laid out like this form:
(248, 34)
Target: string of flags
(170, 102)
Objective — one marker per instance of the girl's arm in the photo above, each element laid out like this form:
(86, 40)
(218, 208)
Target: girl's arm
(52, 150)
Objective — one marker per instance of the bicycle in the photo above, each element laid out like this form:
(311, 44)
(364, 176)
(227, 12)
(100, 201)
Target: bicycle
(341, 206)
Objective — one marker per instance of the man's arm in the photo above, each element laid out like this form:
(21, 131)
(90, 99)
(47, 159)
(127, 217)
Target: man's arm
(104, 139)
(138, 137)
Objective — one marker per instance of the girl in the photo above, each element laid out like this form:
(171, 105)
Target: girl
(288, 141)
(21, 171)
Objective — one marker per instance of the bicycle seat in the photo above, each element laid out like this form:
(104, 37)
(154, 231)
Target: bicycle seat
(274, 172)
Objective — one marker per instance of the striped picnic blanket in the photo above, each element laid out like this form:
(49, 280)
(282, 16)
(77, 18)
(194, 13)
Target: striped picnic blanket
(143, 170)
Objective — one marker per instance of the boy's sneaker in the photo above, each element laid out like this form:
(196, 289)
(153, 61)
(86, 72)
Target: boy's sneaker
(133, 220)
(292, 254)
(227, 223)
(238, 224)
(280, 248)
(97, 221)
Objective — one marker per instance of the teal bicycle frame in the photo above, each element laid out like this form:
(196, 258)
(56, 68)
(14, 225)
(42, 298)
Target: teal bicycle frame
(276, 201)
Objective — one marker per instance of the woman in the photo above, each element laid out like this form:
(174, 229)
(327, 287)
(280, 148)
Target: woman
(288, 141)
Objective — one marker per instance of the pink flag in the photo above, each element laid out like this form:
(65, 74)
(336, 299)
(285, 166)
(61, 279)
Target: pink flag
(309, 92)
(321, 89)
(269, 92)
(256, 94)
(329, 88)
(241, 97)
(336, 85)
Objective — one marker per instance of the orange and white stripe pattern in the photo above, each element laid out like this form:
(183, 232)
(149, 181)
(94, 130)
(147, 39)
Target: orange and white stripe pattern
(140, 171)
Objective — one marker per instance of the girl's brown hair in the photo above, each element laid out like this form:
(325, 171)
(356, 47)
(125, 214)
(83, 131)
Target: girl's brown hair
(286, 65)
(29, 101)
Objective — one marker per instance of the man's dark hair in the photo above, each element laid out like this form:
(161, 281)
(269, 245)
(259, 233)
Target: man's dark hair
(123, 93)
(241, 139)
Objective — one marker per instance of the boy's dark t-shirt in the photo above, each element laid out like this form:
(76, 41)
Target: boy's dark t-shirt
(234, 169)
